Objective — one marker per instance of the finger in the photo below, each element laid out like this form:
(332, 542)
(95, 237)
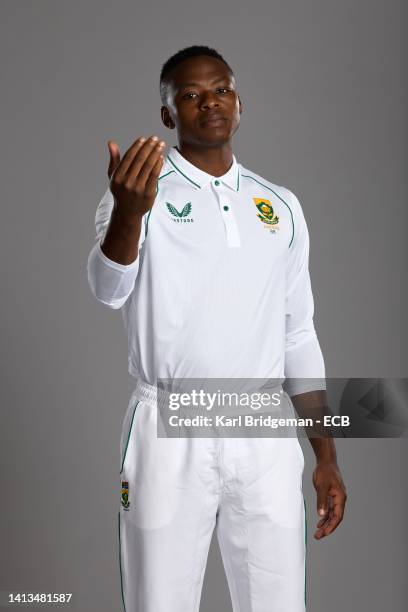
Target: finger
(337, 513)
(141, 171)
(150, 162)
(129, 156)
(114, 157)
(140, 159)
(324, 521)
(336, 516)
(319, 533)
(321, 522)
(322, 500)
(151, 183)
(329, 527)
(338, 498)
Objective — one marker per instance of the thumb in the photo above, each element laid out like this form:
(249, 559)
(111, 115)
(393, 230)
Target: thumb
(114, 154)
(322, 500)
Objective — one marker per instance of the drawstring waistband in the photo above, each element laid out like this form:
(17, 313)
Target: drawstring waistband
(150, 394)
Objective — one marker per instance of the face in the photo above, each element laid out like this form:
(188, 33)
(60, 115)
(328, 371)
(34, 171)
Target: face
(202, 104)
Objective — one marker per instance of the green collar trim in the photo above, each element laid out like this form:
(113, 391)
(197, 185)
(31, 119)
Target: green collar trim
(164, 176)
(182, 173)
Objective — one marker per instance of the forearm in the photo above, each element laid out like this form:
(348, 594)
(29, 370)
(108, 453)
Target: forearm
(314, 405)
(113, 263)
(121, 241)
(324, 449)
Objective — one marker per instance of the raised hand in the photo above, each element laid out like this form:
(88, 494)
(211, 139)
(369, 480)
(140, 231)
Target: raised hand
(133, 183)
(133, 179)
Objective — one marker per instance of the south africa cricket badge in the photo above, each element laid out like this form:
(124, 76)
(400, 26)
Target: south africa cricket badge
(266, 214)
(125, 495)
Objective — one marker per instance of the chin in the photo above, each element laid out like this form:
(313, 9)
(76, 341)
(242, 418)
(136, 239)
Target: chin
(214, 139)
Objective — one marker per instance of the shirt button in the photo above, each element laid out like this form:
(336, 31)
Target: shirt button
(226, 207)
(217, 183)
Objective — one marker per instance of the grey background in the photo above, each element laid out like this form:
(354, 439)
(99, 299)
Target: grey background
(324, 90)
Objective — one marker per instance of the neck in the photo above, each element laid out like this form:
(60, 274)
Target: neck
(213, 160)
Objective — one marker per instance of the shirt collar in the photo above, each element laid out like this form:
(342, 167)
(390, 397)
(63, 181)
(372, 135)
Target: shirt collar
(198, 178)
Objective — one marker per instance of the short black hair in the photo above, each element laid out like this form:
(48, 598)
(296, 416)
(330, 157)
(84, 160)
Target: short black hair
(180, 56)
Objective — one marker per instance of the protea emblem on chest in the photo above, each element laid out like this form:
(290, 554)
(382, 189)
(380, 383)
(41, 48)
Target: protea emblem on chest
(266, 213)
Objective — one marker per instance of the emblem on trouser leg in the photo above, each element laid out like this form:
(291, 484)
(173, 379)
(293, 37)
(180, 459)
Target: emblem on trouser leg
(125, 495)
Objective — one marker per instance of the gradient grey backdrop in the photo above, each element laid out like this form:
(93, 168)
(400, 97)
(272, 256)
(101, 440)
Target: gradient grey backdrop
(324, 89)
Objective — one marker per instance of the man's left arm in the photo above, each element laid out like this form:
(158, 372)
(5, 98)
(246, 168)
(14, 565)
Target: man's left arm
(305, 375)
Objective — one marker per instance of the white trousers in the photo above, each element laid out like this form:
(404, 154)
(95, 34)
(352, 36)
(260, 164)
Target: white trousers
(175, 491)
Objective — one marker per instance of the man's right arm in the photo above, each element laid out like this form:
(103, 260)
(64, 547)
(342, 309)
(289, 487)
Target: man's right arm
(113, 262)
(111, 281)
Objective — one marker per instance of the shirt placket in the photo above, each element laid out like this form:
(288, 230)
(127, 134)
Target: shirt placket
(224, 201)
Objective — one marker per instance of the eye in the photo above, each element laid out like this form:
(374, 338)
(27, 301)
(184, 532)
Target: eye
(222, 90)
(189, 95)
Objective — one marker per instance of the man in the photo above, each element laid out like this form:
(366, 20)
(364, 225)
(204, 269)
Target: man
(208, 262)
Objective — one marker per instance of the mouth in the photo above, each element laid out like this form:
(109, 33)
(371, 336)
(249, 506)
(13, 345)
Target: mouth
(213, 121)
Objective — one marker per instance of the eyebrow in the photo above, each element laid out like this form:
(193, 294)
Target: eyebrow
(198, 84)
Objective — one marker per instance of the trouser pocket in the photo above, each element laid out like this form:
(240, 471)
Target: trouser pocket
(127, 428)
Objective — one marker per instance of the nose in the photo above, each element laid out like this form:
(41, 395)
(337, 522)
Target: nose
(208, 100)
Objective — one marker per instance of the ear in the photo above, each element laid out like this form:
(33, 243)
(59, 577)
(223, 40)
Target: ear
(166, 119)
(240, 105)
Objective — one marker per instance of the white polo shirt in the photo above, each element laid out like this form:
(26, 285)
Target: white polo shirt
(221, 286)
